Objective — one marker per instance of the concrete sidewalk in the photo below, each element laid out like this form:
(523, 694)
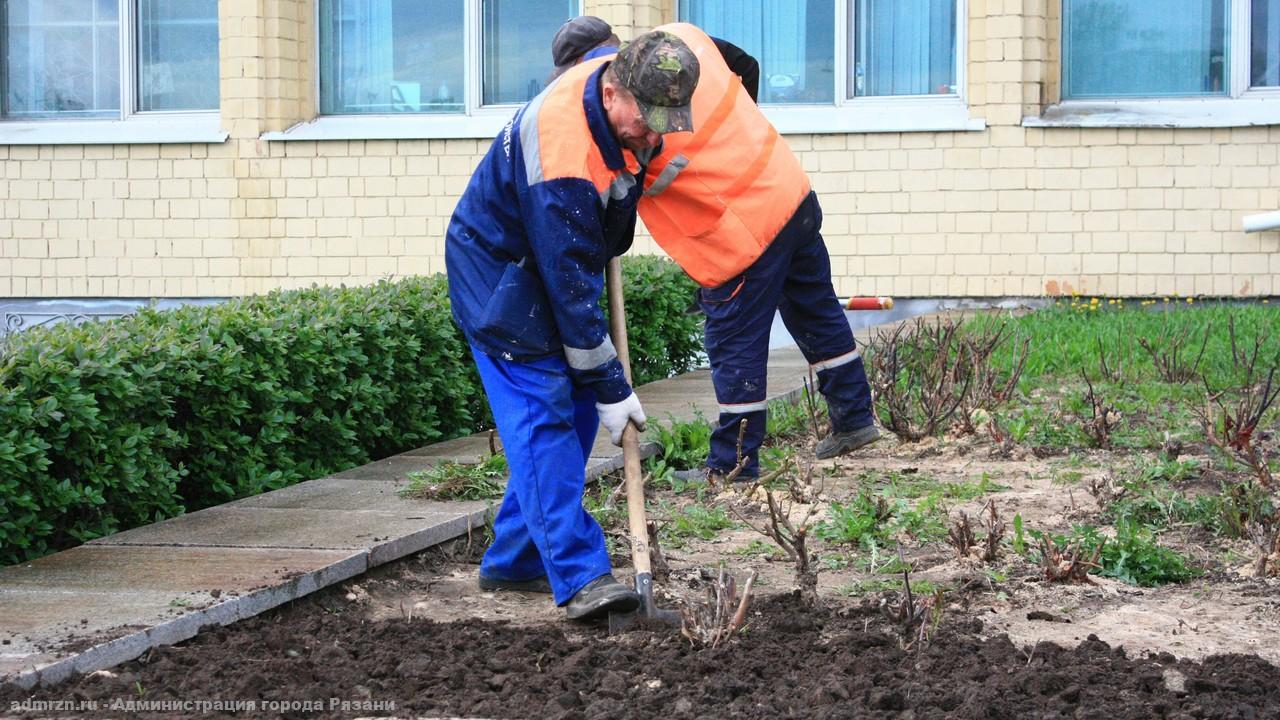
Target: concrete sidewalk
(111, 600)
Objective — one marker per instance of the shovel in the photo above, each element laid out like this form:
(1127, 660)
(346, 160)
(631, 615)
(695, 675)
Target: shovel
(631, 470)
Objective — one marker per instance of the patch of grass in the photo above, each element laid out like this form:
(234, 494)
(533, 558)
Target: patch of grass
(1065, 338)
(875, 586)
(695, 522)
(1161, 507)
(760, 548)
(1067, 477)
(911, 486)
(608, 516)
(459, 481)
(787, 420)
(835, 562)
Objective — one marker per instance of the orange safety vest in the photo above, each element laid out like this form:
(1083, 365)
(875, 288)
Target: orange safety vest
(716, 197)
(557, 140)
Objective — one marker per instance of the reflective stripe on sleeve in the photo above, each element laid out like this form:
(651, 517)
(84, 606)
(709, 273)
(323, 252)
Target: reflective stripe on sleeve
(580, 359)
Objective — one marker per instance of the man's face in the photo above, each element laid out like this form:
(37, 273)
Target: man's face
(627, 122)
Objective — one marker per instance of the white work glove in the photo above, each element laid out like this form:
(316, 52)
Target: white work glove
(614, 416)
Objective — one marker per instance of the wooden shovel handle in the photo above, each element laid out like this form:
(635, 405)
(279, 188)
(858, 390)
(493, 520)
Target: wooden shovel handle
(630, 437)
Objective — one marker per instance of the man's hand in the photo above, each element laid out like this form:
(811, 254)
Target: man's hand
(615, 416)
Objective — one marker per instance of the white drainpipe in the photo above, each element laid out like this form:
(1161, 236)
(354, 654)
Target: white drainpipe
(1262, 222)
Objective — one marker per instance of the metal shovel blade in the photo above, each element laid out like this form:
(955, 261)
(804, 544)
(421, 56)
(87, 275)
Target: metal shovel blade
(648, 612)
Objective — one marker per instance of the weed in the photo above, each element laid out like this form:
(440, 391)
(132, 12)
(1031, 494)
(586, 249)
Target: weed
(1244, 505)
(601, 501)
(787, 421)
(857, 523)
(1132, 556)
(452, 480)
(695, 522)
(1019, 541)
(685, 443)
(871, 518)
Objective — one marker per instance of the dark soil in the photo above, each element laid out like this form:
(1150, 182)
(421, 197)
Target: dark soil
(790, 663)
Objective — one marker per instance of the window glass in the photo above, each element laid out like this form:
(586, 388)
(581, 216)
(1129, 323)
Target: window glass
(794, 41)
(392, 56)
(62, 59)
(1265, 47)
(177, 54)
(903, 47)
(1124, 48)
(517, 46)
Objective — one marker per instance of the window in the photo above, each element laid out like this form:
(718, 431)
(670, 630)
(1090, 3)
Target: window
(1117, 49)
(1264, 50)
(904, 47)
(1195, 63)
(455, 57)
(849, 65)
(62, 58)
(177, 55)
(1120, 48)
(894, 47)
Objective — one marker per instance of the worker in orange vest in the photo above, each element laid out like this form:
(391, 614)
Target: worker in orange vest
(731, 204)
(551, 201)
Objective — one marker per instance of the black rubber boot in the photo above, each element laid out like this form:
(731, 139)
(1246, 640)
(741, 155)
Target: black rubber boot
(846, 442)
(536, 585)
(601, 597)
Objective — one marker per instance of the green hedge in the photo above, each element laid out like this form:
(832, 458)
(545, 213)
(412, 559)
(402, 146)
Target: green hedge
(664, 327)
(116, 424)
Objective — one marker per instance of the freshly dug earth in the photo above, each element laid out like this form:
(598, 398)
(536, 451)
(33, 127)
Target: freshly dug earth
(835, 662)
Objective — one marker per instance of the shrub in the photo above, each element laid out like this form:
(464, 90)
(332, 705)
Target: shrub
(664, 327)
(111, 425)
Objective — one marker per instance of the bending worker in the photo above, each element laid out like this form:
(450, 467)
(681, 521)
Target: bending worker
(549, 204)
(731, 204)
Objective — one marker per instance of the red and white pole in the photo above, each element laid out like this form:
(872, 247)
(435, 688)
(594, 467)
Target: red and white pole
(869, 303)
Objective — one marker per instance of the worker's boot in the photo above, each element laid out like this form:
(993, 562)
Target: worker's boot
(536, 585)
(836, 444)
(600, 597)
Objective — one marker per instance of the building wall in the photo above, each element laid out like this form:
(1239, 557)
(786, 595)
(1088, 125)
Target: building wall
(1004, 211)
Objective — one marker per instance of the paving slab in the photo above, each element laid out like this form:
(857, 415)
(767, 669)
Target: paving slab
(95, 606)
(396, 467)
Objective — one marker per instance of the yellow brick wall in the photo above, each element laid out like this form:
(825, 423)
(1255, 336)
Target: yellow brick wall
(1006, 211)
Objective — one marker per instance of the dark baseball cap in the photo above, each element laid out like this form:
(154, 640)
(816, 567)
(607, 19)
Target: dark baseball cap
(661, 71)
(575, 38)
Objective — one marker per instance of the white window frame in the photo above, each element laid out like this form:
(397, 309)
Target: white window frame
(901, 113)
(1242, 107)
(476, 121)
(132, 127)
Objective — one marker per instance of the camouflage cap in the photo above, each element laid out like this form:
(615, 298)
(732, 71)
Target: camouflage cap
(661, 71)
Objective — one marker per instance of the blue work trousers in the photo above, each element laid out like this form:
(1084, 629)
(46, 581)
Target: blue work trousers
(793, 276)
(547, 428)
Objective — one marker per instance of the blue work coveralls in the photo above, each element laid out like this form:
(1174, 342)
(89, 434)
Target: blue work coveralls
(526, 251)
